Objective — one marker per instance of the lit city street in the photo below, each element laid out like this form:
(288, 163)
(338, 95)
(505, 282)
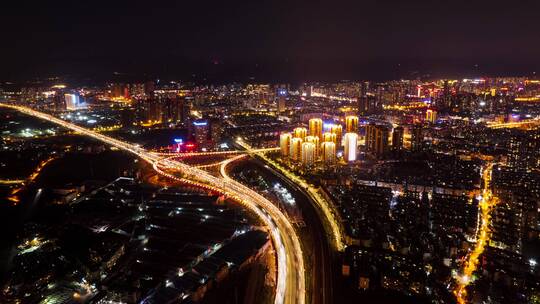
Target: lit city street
(487, 201)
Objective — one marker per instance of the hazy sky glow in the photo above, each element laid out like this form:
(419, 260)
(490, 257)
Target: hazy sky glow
(270, 39)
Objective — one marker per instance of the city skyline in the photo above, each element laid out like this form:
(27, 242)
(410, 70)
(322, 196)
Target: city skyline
(243, 152)
(334, 192)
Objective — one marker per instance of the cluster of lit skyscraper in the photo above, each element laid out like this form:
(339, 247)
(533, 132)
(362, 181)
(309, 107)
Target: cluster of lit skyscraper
(321, 142)
(326, 143)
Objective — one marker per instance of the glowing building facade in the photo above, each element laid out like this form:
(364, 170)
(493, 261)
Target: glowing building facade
(281, 97)
(377, 140)
(285, 144)
(314, 140)
(351, 124)
(329, 137)
(328, 153)
(431, 116)
(296, 148)
(350, 141)
(308, 154)
(73, 102)
(397, 138)
(316, 127)
(300, 133)
(201, 131)
(338, 130)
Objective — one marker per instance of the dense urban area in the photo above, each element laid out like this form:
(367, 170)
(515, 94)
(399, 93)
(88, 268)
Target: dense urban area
(160, 191)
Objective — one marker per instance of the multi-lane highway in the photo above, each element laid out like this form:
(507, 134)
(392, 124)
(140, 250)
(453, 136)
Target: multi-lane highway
(290, 286)
(524, 124)
(215, 153)
(320, 271)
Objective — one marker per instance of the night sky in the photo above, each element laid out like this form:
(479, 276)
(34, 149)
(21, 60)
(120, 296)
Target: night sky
(269, 40)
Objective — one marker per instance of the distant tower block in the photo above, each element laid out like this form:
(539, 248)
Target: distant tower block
(201, 129)
(351, 124)
(377, 140)
(300, 133)
(397, 138)
(431, 116)
(281, 100)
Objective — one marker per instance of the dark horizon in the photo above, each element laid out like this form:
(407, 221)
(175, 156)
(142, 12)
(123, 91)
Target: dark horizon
(269, 42)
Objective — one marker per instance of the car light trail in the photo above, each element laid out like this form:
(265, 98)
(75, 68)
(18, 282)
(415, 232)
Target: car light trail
(14, 198)
(209, 165)
(483, 237)
(290, 287)
(191, 154)
(11, 181)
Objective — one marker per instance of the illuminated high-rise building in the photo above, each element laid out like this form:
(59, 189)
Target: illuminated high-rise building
(314, 140)
(216, 131)
(370, 138)
(379, 95)
(351, 124)
(296, 148)
(381, 141)
(377, 140)
(338, 130)
(201, 131)
(173, 109)
(300, 133)
(281, 100)
(363, 103)
(350, 141)
(73, 102)
(136, 90)
(316, 127)
(431, 116)
(329, 137)
(281, 105)
(524, 150)
(308, 154)
(397, 139)
(150, 111)
(417, 138)
(285, 144)
(328, 153)
(119, 91)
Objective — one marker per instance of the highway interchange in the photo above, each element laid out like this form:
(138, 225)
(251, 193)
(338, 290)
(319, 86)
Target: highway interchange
(290, 286)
